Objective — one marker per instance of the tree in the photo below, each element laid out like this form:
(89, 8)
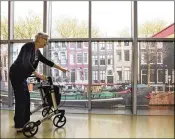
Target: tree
(4, 28)
(24, 28)
(150, 28)
(70, 28)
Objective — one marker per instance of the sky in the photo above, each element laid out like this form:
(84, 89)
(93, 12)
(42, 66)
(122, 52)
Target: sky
(110, 17)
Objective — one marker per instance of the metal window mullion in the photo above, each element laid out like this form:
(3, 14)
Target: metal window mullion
(45, 50)
(155, 39)
(10, 49)
(134, 58)
(87, 39)
(90, 60)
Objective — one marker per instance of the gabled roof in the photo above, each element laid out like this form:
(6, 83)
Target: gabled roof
(165, 33)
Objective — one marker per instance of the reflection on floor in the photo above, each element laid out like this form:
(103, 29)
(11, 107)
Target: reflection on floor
(146, 110)
(95, 126)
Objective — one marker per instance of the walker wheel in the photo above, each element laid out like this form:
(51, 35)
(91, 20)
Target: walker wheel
(57, 122)
(30, 129)
(46, 111)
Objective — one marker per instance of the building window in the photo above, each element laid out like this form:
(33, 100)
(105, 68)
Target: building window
(85, 74)
(119, 56)
(94, 46)
(102, 76)
(94, 60)
(86, 44)
(79, 45)
(57, 45)
(72, 75)
(63, 57)
(86, 58)
(109, 45)
(160, 75)
(119, 75)
(152, 58)
(72, 45)
(172, 75)
(64, 45)
(95, 76)
(166, 75)
(126, 43)
(110, 60)
(102, 46)
(79, 58)
(117, 44)
(144, 77)
(143, 58)
(102, 60)
(127, 74)
(72, 58)
(152, 76)
(79, 74)
(126, 54)
(159, 57)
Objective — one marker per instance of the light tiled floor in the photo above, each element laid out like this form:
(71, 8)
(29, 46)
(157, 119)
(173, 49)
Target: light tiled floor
(96, 126)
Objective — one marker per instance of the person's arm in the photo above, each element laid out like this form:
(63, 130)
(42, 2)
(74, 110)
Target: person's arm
(60, 68)
(44, 60)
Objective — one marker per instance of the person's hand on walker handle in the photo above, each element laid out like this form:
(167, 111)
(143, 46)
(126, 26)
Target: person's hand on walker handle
(40, 76)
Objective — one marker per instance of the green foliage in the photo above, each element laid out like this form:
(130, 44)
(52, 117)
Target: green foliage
(149, 28)
(71, 28)
(24, 28)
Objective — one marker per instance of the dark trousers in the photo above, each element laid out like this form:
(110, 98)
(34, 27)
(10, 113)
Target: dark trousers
(22, 100)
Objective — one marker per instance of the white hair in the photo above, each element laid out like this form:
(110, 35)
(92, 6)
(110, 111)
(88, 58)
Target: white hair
(42, 35)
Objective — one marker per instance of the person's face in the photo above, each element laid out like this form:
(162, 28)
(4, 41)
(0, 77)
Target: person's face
(42, 42)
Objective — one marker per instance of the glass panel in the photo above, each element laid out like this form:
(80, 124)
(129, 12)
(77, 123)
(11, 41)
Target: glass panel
(111, 74)
(4, 20)
(28, 22)
(4, 68)
(155, 83)
(69, 19)
(154, 23)
(75, 81)
(107, 20)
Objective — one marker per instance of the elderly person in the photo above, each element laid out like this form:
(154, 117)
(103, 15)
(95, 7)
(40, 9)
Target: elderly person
(25, 65)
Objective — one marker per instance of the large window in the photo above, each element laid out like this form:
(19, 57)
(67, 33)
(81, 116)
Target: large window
(107, 20)
(69, 19)
(4, 20)
(4, 68)
(28, 22)
(152, 18)
(155, 71)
